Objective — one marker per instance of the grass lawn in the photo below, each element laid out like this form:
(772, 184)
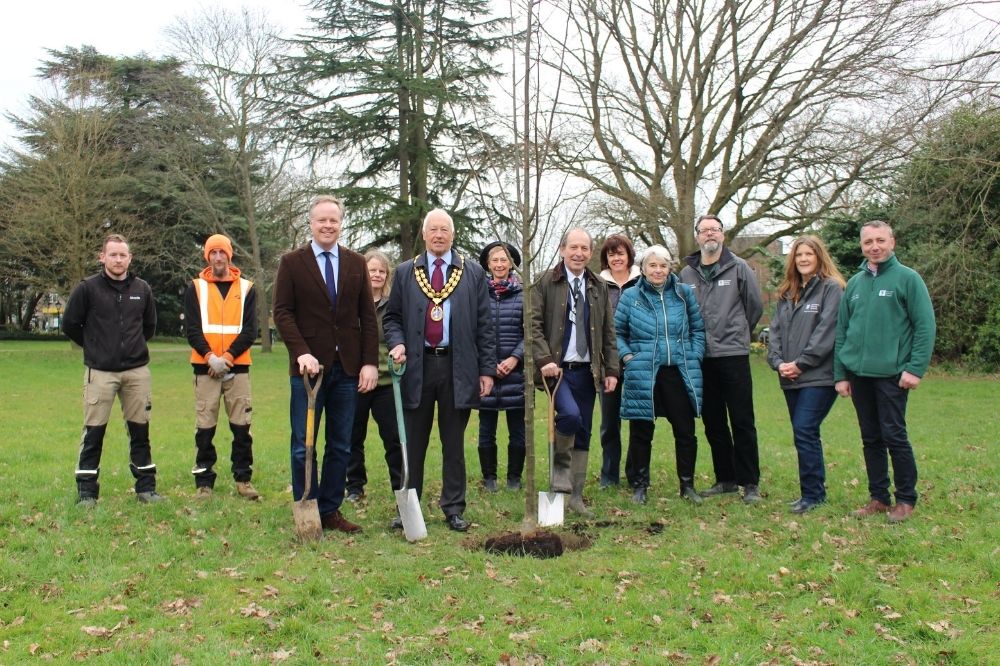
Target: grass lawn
(224, 581)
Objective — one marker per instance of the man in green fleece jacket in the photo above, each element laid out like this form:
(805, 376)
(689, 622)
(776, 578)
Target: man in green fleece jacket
(885, 338)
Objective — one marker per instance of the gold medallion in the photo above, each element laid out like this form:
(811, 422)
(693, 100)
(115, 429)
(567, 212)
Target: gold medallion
(437, 313)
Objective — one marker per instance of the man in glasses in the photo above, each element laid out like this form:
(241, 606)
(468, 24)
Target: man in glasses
(727, 291)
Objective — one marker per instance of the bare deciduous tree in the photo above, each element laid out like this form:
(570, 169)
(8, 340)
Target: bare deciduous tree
(231, 53)
(770, 109)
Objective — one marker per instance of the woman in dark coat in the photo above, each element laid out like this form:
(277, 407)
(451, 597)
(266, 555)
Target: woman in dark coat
(506, 306)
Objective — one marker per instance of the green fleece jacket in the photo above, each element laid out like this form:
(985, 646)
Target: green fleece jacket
(885, 324)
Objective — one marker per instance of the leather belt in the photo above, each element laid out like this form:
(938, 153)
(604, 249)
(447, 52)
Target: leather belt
(435, 351)
(576, 365)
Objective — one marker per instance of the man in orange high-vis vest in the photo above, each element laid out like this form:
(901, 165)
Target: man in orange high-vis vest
(220, 309)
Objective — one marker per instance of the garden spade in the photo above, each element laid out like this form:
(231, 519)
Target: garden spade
(306, 511)
(551, 505)
(407, 501)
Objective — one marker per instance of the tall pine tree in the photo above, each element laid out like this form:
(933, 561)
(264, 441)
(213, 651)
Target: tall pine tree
(382, 90)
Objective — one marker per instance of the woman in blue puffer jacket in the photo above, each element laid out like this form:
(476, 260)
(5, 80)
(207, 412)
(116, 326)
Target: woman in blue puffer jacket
(506, 306)
(661, 341)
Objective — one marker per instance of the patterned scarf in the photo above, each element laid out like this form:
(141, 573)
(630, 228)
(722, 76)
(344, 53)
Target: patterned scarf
(499, 287)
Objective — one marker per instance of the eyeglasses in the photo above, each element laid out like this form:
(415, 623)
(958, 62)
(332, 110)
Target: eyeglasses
(710, 230)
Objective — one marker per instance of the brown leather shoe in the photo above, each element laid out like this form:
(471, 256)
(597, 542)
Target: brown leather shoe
(336, 521)
(873, 507)
(899, 513)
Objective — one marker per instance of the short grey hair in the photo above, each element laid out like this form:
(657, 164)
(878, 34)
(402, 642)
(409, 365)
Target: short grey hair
(439, 212)
(707, 216)
(879, 224)
(326, 198)
(655, 252)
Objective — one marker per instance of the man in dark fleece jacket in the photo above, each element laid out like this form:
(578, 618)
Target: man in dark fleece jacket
(885, 337)
(112, 315)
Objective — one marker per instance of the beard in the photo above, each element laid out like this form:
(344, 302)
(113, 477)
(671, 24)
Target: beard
(711, 246)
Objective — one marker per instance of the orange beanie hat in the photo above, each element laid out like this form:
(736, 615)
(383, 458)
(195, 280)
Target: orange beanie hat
(218, 242)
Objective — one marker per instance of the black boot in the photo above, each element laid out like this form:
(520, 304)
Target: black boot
(88, 468)
(687, 454)
(205, 457)
(515, 465)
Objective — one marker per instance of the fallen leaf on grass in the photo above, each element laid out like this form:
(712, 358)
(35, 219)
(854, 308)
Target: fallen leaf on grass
(33, 648)
(944, 627)
(888, 613)
(721, 598)
(281, 654)
(520, 636)
(886, 634)
(657, 620)
(253, 610)
(180, 606)
(591, 645)
(270, 591)
(712, 660)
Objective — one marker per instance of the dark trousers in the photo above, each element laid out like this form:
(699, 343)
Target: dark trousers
(807, 407)
(438, 387)
(669, 397)
(575, 406)
(881, 407)
(241, 457)
(611, 435)
(728, 403)
(336, 397)
(381, 405)
(488, 419)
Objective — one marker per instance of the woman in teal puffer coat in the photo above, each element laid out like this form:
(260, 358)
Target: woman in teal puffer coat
(661, 341)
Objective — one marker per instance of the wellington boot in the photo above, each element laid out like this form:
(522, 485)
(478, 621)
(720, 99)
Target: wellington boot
(562, 478)
(579, 469)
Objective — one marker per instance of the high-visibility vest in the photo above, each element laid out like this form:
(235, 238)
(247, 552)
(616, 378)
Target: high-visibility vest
(221, 319)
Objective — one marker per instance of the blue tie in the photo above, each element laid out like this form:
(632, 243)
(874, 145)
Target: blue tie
(331, 280)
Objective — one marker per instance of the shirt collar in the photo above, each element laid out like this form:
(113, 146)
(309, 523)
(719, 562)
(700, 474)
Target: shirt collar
(317, 250)
(430, 257)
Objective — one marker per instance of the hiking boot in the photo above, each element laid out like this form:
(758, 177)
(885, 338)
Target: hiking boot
(203, 493)
(691, 495)
(354, 496)
(751, 494)
(872, 508)
(720, 489)
(150, 497)
(900, 513)
(490, 485)
(513, 484)
(246, 489)
(86, 502)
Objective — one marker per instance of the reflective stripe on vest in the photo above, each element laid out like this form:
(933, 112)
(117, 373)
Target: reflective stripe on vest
(219, 334)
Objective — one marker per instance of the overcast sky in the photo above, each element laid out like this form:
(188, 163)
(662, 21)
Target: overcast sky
(113, 27)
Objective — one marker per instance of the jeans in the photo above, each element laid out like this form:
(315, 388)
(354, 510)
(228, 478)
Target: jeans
(611, 435)
(575, 406)
(881, 407)
(807, 407)
(336, 397)
(728, 400)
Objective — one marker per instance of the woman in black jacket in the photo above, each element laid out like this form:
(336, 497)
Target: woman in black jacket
(499, 259)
